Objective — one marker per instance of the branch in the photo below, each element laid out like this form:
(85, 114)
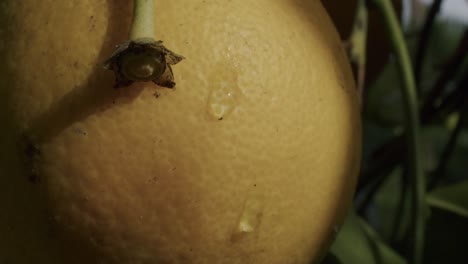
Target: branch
(143, 20)
(424, 39)
(439, 172)
(455, 61)
(412, 133)
(390, 154)
(357, 46)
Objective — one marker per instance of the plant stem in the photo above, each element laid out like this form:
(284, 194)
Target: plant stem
(450, 70)
(453, 102)
(143, 20)
(412, 133)
(439, 172)
(142, 58)
(400, 211)
(424, 39)
(357, 46)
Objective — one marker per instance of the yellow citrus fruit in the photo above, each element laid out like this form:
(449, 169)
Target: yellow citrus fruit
(251, 159)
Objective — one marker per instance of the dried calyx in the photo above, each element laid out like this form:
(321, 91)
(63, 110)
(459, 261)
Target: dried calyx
(142, 58)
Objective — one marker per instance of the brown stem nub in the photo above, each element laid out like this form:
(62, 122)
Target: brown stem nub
(143, 60)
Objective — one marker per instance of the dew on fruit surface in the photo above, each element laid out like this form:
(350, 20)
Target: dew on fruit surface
(222, 101)
(224, 92)
(250, 218)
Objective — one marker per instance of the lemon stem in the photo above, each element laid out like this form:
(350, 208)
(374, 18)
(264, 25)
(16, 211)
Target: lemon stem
(357, 46)
(143, 20)
(142, 58)
(410, 101)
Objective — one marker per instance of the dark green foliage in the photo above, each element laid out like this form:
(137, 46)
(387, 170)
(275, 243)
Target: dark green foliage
(379, 228)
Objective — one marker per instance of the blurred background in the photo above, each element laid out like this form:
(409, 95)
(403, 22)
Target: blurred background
(379, 228)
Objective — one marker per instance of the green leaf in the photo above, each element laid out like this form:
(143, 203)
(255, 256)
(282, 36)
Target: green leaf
(451, 198)
(447, 228)
(357, 242)
(447, 232)
(330, 258)
(385, 208)
(384, 103)
(456, 170)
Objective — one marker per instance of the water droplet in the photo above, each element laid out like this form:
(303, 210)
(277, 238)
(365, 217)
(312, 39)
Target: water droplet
(224, 92)
(222, 101)
(249, 220)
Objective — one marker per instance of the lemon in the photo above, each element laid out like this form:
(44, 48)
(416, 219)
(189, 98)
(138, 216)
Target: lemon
(252, 158)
